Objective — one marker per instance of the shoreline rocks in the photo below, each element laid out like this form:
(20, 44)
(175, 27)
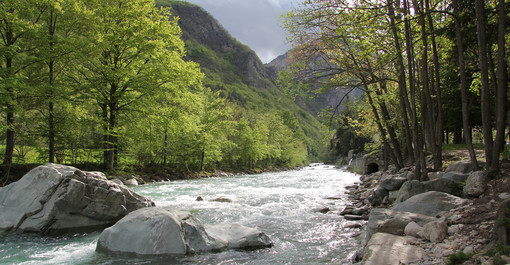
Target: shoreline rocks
(429, 213)
(58, 199)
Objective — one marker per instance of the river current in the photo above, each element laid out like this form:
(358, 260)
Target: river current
(280, 204)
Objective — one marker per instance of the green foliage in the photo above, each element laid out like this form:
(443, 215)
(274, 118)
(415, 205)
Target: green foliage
(458, 258)
(499, 249)
(116, 77)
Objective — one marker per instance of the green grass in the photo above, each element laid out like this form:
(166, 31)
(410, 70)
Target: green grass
(459, 258)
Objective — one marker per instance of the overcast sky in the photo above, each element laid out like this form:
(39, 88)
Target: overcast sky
(255, 23)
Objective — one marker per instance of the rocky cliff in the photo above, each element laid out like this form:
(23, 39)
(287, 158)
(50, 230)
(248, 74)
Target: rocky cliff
(199, 27)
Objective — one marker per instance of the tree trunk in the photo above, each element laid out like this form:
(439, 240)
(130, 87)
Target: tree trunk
(51, 117)
(380, 126)
(438, 113)
(466, 125)
(405, 106)
(427, 106)
(501, 93)
(421, 166)
(112, 138)
(484, 73)
(9, 140)
(390, 128)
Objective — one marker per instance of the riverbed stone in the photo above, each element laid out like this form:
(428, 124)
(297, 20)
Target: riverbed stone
(464, 166)
(392, 182)
(409, 189)
(56, 199)
(170, 231)
(432, 203)
(476, 184)
(158, 231)
(385, 248)
(412, 229)
(392, 222)
(434, 231)
(131, 182)
(377, 197)
(455, 176)
(239, 237)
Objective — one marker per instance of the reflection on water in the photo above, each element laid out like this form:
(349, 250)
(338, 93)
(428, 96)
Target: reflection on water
(280, 204)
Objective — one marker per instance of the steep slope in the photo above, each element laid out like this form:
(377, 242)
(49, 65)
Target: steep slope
(323, 101)
(235, 70)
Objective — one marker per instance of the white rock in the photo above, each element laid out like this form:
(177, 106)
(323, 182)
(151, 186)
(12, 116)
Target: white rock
(131, 182)
(55, 198)
(504, 196)
(390, 249)
(412, 229)
(164, 231)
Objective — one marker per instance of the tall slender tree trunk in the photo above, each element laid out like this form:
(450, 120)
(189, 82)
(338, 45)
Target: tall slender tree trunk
(387, 146)
(466, 125)
(484, 73)
(502, 88)
(390, 128)
(437, 105)
(9, 139)
(405, 106)
(51, 117)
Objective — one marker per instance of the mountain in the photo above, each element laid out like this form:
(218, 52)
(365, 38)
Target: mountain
(235, 70)
(319, 102)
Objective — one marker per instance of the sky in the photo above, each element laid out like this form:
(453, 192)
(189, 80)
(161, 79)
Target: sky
(255, 23)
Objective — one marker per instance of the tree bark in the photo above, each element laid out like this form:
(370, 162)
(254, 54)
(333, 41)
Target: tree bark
(438, 106)
(466, 125)
(421, 166)
(484, 73)
(502, 87)
(405, 106)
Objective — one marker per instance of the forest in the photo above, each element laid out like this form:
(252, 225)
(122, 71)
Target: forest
(107, 83)
(432, 72)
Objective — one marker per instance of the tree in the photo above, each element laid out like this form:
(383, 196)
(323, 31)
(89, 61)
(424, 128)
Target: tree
(138, 52)
(18, 24)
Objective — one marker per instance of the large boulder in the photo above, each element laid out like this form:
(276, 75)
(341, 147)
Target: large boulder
(390, 249)
(392, 222)
(239, 237)
(169, 231)
(409, 189)
(54, 198)
(435, 231)
(445, 185)
(392, 182)
(476, 184)
(415, 187)
(431, 203)
(376, 198)
(462, 166)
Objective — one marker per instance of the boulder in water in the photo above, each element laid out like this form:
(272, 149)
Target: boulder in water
(55, 198)
(168, 231)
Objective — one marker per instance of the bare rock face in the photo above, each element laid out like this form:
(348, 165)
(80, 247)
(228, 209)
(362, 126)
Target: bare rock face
(56, 199)
(391, 249)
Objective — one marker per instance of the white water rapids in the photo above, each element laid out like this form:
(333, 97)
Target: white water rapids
(280, 204)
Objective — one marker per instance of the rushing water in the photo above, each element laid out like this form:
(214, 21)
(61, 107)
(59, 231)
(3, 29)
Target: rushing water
(280, 204)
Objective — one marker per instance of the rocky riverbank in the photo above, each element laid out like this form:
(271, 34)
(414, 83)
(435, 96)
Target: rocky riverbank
(452, 217)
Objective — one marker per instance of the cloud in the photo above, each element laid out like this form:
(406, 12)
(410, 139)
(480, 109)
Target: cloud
(253, 22)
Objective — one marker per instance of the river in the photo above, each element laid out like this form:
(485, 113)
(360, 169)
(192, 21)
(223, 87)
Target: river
(280, 204)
